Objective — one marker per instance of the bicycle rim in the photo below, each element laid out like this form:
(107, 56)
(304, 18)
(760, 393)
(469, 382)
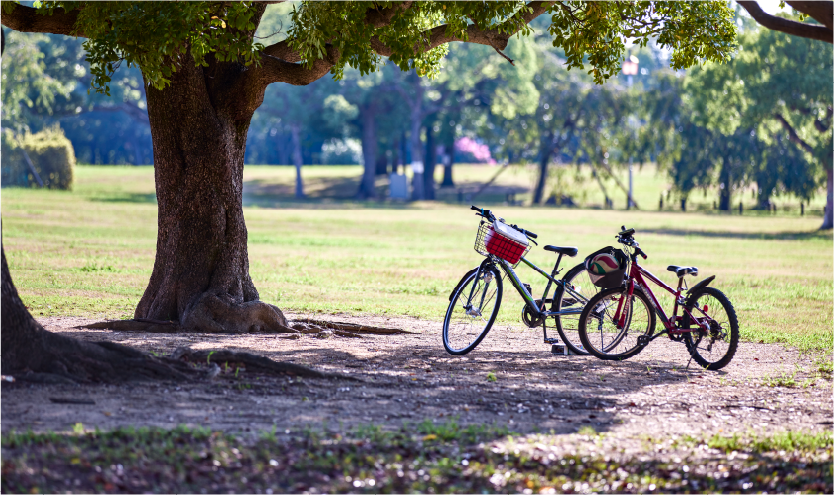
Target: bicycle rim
(603, 337)
(568, 325)
(472, 312)
(715, 348)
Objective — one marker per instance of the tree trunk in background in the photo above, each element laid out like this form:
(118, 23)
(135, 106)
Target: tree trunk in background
(367, 188)
(544, 159)
(297, 160)
(284, 150)
(201, 271)
(725, 193)
(431, 160)
(827, 219)
(417, 165)
(449, 146)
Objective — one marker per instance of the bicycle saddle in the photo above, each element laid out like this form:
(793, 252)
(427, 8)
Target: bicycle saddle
(683, 270)
(569, 251)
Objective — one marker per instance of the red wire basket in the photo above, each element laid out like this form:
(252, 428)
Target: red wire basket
(488, 241)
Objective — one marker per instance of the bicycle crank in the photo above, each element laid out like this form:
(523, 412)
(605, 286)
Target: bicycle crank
(529, 319)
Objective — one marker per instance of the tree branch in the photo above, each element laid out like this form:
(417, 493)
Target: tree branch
(775, 23)
(279, 63)
(283, 51)
(276, 69)
(792, 135)
(489, 37)
(29, 20)
(382, 17)
(822, 12)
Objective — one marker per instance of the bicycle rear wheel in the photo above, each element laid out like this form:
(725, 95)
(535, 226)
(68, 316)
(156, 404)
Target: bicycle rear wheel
(472, 311)
(603, 337)
(568, 325)
(715, 348)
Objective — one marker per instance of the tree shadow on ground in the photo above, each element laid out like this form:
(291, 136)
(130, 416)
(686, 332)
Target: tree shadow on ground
(413, 383)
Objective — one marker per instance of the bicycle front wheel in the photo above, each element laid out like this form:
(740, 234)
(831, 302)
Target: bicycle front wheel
(611, 334)
(714, 348)
(472, 311)
(583, 290)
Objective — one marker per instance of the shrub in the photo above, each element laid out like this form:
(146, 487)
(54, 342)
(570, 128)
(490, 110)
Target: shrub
(52, 155)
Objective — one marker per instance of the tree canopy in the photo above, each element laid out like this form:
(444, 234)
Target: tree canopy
(329, 36)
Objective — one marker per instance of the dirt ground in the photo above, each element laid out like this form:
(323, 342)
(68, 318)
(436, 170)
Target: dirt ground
(410, 378)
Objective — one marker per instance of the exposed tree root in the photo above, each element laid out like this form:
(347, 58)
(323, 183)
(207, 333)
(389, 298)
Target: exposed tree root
(351, 327)
(215, 314)
(64, 360)
(319, 328)
(108, 362)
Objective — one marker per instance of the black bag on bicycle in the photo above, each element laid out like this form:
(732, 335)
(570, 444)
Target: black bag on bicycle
(607, 267)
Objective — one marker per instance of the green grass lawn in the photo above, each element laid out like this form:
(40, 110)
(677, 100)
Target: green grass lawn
(90, 251)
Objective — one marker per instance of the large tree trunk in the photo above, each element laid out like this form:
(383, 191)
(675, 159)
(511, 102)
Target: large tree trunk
(367, 188)
(827, 219)
(201, 271)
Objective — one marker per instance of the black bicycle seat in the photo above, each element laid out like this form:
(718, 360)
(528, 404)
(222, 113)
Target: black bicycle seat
(568, 251)
(683, 270)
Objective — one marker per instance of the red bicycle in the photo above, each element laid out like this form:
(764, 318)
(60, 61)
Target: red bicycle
(619, 322)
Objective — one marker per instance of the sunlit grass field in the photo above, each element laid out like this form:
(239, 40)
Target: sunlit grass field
(89, 252)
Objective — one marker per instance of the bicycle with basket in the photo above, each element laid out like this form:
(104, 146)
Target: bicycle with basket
(619, 321)
(475, 301)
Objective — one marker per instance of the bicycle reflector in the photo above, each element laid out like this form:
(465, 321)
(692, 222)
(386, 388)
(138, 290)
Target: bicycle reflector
(607, 267)
(505, 242)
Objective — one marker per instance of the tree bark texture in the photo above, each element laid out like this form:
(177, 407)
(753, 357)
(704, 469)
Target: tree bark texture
(201, 271)
(828, 219)
(367, 188)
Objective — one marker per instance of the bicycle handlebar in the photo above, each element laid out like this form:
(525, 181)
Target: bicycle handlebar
(626, 237)
(489, 216)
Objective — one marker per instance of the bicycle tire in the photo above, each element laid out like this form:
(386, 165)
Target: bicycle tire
(568, 325)
(599, 305)
(724, 354)
(453, 333)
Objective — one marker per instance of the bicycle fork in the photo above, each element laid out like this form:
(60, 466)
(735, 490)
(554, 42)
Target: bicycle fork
(488, 276)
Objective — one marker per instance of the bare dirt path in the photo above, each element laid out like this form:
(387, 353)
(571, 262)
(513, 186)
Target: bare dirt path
(410, 378)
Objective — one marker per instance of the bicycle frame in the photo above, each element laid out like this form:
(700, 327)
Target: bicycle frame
(522, 291)
(638, 276)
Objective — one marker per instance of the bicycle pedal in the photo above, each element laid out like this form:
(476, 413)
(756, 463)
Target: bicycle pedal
(643, 340)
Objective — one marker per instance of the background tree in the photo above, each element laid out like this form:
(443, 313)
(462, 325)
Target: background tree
(205, 75)
(759, 93)
(820, 28)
